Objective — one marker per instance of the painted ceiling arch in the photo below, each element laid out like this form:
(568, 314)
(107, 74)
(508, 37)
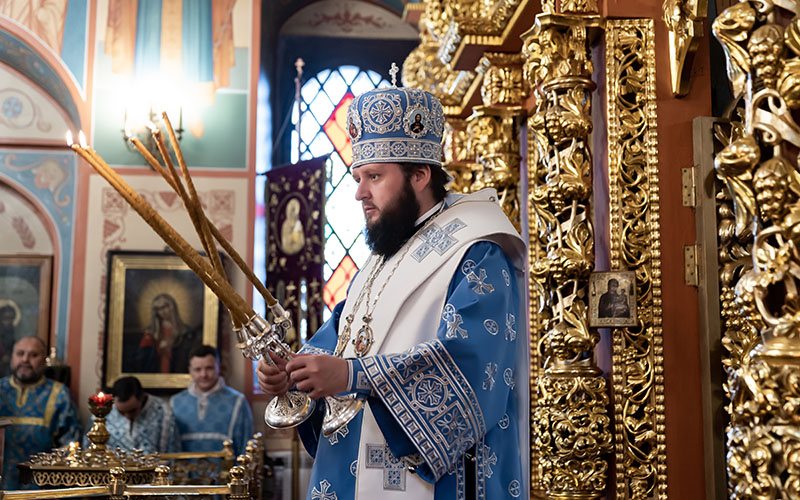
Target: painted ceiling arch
(287, 8)
(28, 60)
(349, 19)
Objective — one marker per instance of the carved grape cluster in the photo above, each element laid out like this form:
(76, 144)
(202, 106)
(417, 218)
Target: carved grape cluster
(765, 47)
(771, 184)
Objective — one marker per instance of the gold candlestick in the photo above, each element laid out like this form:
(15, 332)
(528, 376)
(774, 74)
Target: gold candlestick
(100, 406)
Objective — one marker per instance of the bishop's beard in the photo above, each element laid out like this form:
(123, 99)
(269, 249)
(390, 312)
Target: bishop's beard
(395, 225)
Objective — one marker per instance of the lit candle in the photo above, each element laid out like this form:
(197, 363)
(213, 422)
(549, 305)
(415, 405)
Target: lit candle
(101, 399)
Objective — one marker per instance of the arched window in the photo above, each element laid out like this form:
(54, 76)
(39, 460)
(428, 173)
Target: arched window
(325, 98)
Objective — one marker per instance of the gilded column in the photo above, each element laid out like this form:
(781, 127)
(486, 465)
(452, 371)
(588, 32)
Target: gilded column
(493, 131)
(570, 422)
(637, 352)
(457, 159)
(759, 167)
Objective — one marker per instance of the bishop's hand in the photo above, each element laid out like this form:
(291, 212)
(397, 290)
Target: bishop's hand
(273, 379)
(319, 375)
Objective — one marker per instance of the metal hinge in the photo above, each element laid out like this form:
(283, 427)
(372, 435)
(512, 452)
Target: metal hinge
(691, 271)
(688, 186)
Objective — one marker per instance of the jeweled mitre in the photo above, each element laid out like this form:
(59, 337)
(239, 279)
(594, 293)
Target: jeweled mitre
(396, 125)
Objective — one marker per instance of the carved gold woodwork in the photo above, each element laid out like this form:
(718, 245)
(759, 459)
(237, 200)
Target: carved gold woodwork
(485, 23)
(570, 423)
(493, 142)
(502, 83)
(457, 158)
(740, 332)
(637, 355)
(759, 169)
(684, 20)
(424, 70)
(569, 6)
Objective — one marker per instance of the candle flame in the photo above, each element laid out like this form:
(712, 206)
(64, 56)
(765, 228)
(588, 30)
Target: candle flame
(152, 126)
(128, 133)
(82, 139)
(69, 138)
(100, 394)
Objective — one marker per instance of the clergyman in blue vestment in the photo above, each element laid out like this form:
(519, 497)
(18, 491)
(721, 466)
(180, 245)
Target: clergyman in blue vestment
(209, 412)
(139, 420)
(41, 411)
(431, 335)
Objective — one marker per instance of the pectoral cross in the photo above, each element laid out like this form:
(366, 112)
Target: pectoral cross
(393, 71)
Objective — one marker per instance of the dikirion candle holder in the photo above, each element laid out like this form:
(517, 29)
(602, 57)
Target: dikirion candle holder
(257, 337)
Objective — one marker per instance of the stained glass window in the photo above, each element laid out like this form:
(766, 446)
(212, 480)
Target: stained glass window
(325, 98)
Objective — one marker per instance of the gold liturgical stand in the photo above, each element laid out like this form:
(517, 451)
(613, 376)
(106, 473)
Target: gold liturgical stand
(98, 472)
(91, 467)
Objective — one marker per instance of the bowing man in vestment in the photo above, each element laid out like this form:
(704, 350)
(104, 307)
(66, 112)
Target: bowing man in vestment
(41, 411)
(431, 335)
(139, 420)
(209, 412)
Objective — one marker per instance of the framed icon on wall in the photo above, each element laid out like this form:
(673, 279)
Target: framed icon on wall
(612, 299)
(158, 311)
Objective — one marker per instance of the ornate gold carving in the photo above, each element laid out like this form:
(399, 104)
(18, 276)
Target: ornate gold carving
(684, 19)
(502, 83)
(494, 144)
(456, 156)
(424, 70)
(200, 468)
(761, 304)
(435, 19)
(570, 424)
(553, 54)
(579, 6)
(638, 361)
(730, 28)
(740, 319)
(476, 22)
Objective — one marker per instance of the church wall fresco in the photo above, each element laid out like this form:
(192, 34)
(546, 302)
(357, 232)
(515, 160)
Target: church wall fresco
(193, 61)
(50, 88)
(48, 179)
(27, 112)
(59, 25)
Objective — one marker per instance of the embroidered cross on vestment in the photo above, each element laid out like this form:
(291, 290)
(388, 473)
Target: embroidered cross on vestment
(438, 239)
(394, 469)
(454, 322)
(322, 493)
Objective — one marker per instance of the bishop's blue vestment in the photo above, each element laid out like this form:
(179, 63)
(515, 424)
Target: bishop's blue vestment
(450, 409)
(42, 416)
(205, 420)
